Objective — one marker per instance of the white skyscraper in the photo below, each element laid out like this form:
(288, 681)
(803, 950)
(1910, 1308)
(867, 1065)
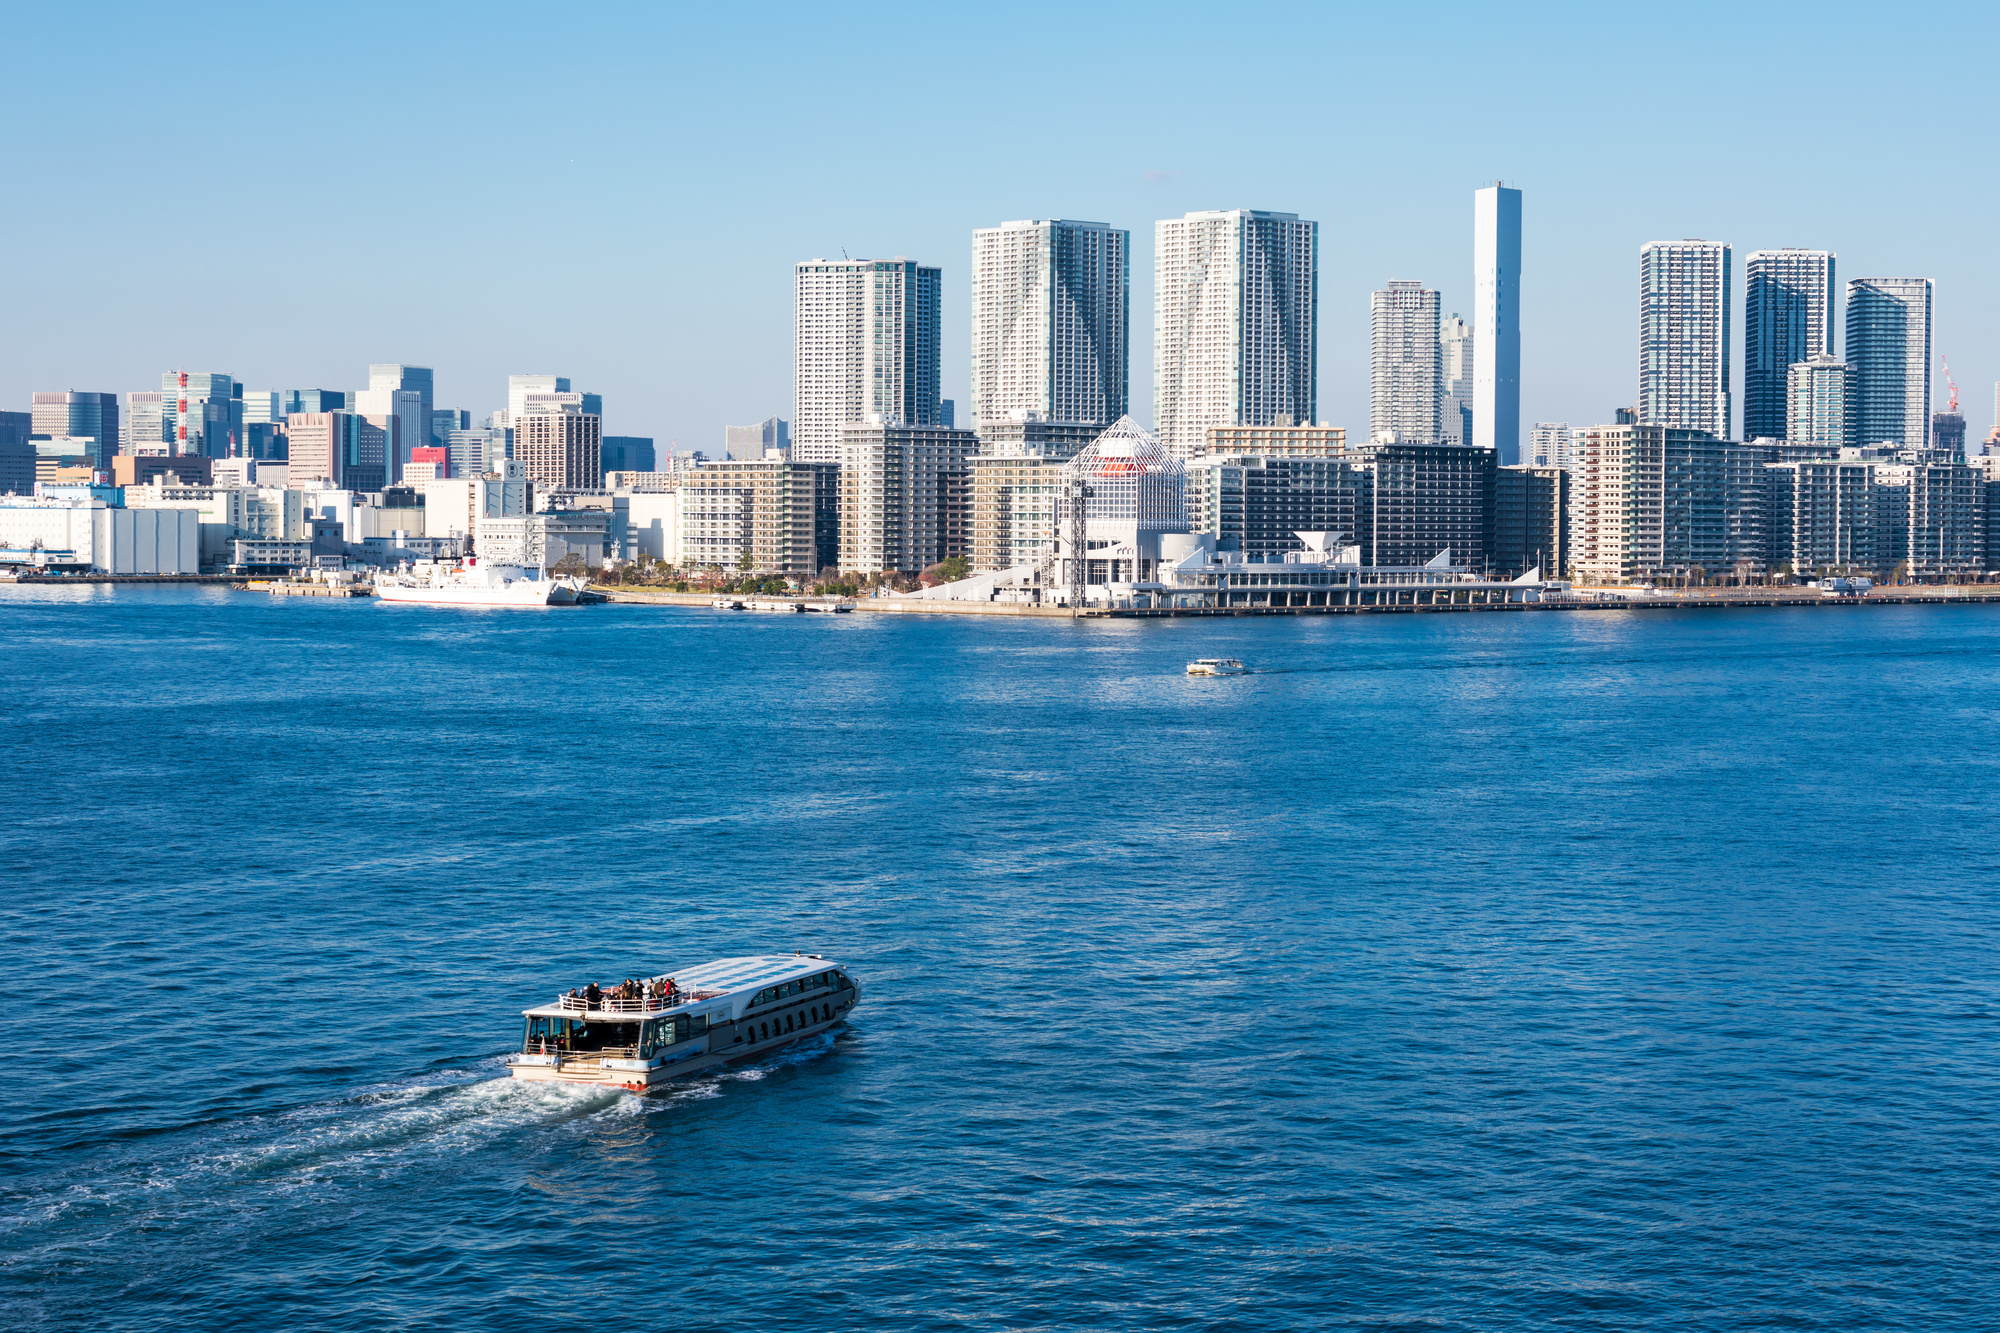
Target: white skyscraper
(1051, 317)
(1816, 403)
(1551, 444)
(1496, 321)
(1684, 335)
(1889, 361)
(1235, 323)
(1403, 380)
(1787, 318)
(1455, 379)
(867, 345)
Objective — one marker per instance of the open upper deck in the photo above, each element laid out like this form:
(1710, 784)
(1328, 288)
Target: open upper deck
(732, 984)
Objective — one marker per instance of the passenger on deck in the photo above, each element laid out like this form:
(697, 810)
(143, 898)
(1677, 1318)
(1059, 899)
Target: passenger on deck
(592, 995)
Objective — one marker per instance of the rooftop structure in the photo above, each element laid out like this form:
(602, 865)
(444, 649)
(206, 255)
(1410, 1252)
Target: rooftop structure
(1135, 492)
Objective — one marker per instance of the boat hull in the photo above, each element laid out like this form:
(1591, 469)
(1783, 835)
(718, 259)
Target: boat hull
(513, 594)
(644, 1080)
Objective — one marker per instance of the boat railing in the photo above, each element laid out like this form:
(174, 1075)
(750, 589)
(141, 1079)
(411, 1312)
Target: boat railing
(610, 1003)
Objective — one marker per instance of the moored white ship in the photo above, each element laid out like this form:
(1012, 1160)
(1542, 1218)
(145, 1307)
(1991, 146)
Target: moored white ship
(683, 1022)
(474, 583)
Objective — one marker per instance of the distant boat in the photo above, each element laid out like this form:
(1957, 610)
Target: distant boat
(1217, 666)
(476, 584)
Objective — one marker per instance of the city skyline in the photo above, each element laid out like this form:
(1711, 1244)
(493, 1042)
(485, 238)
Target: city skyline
(682, 353)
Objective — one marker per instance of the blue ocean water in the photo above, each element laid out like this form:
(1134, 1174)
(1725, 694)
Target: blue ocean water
(1595, 971)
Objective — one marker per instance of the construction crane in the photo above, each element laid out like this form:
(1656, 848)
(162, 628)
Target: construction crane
(1951, 386)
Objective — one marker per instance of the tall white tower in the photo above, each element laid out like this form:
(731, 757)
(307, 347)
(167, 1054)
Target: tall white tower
(1403, 378)
(1496, 321)
(1684, 335)
(1235, 323)
(867, 342)
(1051, 321)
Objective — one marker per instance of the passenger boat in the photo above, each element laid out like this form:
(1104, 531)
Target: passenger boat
(684, 1022)
(476, 584)
(1216, 666)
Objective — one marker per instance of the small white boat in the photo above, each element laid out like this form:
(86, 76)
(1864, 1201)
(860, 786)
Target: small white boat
(1216, 666)
(437, 583)
(775, 604)
(725, 602)
(683, 1022)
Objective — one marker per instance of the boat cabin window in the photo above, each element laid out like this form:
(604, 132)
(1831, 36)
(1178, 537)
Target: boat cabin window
(665, 1032)
(575, 1035)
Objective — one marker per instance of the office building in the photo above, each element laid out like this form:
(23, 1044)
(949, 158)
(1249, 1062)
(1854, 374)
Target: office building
(1405, 380)
(202, 412)
(947, 412)
(1787, 318)
(339, 450)
(1235, 323)
(77, 416)
(17, 453)
(1655, 502)
(1549, 445)
(1496, 321)
(1301, 441)
(867, 343)
(898, 488)
(626, 453)
(1259, 505)
(754, 442)
(1455, 360)
(559, 444)
(1530, 521)
(479, 450)
(755, 515)
(454, 506)
(1820, 517)
(521, 387)
(263, 406)
(1889, 361)
(1684, 336)
(316, 400)
(1815, 403)
(147, 469)
(415, 426)
(1051, 317)
(142, 428)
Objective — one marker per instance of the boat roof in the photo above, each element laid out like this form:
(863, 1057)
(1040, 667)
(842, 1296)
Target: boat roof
(726, 981)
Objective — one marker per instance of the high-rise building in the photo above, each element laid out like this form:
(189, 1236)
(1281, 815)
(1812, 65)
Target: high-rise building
(758, 515)
(1889, 361)
(1821, 515)
(1404, 379)
(1550, 445)
(202, 412)
(316, 400)
(1787, 318)
(1684, 335)
(401, 393)
(1455, 357)
(479, 450)
(1660, 501)
(626, 453)
(1235, 323)
(17, 453)
(1051, 316)
(1428, 498)
(1496, 321)
(560, 448)
(142, 428)
(72, 415)
(342, 450)
(1815, 403)
(1948, 434)
(1262, 504)
(867, 343)
(445, 420)
(750, 442)
(1531, 521)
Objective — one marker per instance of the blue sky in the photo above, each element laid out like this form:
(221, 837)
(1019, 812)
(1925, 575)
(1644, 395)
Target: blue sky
(617, 192)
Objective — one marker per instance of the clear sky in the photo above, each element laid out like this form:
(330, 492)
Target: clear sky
(617, 192)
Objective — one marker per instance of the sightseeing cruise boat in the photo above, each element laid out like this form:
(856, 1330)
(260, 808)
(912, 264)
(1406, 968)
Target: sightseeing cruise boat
(476, 584)
(1216, 666)
(638, 1034)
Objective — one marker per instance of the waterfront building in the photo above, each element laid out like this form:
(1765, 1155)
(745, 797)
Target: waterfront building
(750, 443)
(626, 453)
(905, 496)
(1531, 521)
(1933, 518)
(1455, 362)
(1051, 317)
(341, 450)
(1137, 493)
(754, 515)
(1235, 323)
(1549, 445)
(867, 349)
(1684, 335)
(558, 442)
(88, 534)
(202, 411)
(1815, 403)
(1655, 501)
(544, 540)
(225, 513)
(1405, 378)
(1259, 505)
(1013, 508)
(1821, 515)
(142, 428)
(1496, 321)
(1427, 498)
(76, 416)
(1889, 361)
(1787, 318)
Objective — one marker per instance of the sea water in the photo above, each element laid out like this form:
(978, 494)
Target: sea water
(1599, 970)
